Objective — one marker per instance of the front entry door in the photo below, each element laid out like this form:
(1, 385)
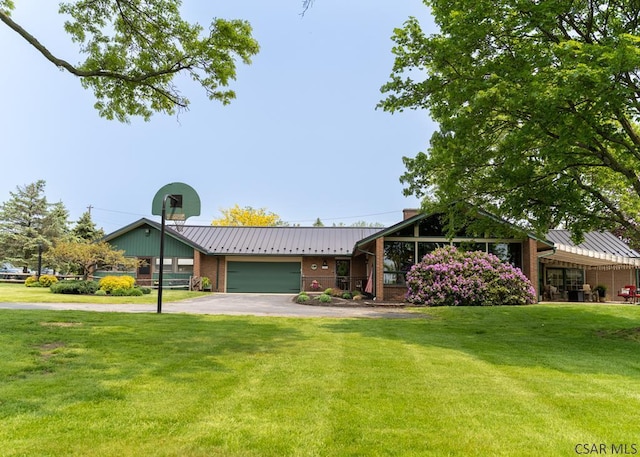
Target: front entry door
(343, 267)
(144, 271)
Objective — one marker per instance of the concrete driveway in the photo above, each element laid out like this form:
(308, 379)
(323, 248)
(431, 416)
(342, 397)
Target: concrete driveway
(233, 304)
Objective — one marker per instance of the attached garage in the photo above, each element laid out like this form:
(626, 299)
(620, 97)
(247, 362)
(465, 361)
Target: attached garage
(263, 277)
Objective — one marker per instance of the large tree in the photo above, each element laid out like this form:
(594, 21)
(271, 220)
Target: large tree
(134, 50)
(247, 216)
(85, 229)
(84, 256)
(29, 224)
(538, 104)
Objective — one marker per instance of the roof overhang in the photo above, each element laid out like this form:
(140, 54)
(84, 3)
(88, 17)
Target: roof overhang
(575, 257)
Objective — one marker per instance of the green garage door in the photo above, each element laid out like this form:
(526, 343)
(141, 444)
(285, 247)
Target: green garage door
(265, 277)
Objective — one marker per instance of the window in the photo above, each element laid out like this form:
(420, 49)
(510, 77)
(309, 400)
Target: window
(467, 246)
(168, 265)
(565, 279)
(185, 265)
(510, 253)
(426, 247)
(399, 256)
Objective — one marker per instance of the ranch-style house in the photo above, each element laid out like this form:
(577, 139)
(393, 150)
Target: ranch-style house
(371, 260)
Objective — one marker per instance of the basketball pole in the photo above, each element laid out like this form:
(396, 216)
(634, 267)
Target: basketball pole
(160, 273)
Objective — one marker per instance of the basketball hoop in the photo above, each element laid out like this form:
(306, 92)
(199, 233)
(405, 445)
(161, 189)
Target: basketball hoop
(174, 202)
(179, 224)
(178, 220)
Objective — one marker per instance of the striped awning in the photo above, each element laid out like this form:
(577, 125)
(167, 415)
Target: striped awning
(575, 257)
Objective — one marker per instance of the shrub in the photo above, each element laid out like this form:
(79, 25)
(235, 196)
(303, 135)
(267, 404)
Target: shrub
(120, 292)
(347, 295)
(329, 291)
(100, 292)
(448, 277)
(135, 292)
(335, 292)
(324, 298)
(110, 283)
(47, 280)
(32, 281)
(302, 298)
(145, 290)
(75, 287)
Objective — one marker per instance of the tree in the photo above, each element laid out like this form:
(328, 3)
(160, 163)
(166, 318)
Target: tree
(28, 223)
(367, 224)
(135, 49)
(538, 106)
(318, 223)
(247, 216)
(86, 230)
(83, 256)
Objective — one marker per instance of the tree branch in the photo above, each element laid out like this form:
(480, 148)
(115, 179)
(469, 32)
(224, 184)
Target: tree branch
(60, 63)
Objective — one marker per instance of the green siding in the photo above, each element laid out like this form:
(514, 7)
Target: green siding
(263, 277)
(137, 243)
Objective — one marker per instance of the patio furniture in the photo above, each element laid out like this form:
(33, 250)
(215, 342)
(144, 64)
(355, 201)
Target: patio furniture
(589, 294)
(551, 293)
(628, 293)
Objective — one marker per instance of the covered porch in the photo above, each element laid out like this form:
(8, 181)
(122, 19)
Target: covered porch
(575, 274)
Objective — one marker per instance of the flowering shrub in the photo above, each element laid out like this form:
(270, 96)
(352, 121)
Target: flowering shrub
(111, 283)
(448, 277)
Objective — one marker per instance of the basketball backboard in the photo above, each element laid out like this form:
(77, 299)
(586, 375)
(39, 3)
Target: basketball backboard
(182, 202)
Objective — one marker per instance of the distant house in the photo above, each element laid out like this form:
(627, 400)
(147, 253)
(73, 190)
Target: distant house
(372, 260)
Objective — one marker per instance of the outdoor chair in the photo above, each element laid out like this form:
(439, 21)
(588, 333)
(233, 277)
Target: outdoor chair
(551, 293)
(589, 294)
(628, 293)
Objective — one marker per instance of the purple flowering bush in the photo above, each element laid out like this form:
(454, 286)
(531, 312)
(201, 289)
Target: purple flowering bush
(449, 277)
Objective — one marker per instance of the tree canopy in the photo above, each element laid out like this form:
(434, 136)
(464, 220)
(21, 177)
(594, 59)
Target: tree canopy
(538, 104)
(134, 50)
(247, 216)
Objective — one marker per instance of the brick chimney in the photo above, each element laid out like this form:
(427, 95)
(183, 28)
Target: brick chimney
(408, 213)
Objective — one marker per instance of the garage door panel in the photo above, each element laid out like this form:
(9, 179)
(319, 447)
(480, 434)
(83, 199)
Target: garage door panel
(263, 277)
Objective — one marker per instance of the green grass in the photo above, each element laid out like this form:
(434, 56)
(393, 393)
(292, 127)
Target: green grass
(19, 293)
(511, 381)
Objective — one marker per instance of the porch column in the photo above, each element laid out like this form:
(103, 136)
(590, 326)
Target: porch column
(379, 271)
(530, 264)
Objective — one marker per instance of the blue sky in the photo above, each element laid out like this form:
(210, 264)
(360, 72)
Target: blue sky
(303, 138)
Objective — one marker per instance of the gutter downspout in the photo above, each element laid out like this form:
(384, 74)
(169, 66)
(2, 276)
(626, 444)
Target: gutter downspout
(217, 273)
(373, 273)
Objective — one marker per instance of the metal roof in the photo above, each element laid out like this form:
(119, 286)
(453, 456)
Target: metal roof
(594, 241)
(599, 250)
(300, 241)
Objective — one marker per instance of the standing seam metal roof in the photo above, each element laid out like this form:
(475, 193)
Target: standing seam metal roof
(278, 240)
(594, 241)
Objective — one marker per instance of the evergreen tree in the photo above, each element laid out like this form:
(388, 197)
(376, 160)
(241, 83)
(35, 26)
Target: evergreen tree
(28, 223)
(86, 230)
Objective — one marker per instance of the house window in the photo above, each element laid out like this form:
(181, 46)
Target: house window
(168, 265)
(467, 246)
(510, 253)
(185, 265)
(565, 279)
(399, 256)
(427, 247)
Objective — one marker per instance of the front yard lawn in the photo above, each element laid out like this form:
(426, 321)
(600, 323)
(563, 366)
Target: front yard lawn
(19, 293)
(505, 381)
